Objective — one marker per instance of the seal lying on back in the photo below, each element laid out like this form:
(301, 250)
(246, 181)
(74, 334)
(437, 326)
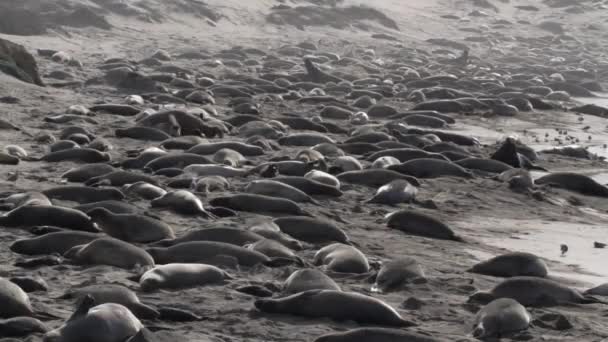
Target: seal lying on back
(44, 215)
(503, 315)
(308, 279)
(376, 335)
(533, 291)
(574, 182)
(337, 305)
(416, 223)
(512, 265)
(342, 258)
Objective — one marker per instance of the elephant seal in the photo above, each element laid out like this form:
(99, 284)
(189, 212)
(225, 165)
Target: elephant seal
(375, 177)
(311, 229)
(142, 133)
(181, 276)
(507, 153)
(232, 236)
(305, 139)
(109, 322)
(120, 178)
(273, 249)
(430, 168)
(486, 165)
(117, 207)
(207, 252)
(58, 242)
(405, 154)
(501, 316)
(411, 222)
(86, 172)
(342, 258)
(23, 199)
(512, 265)
(230, 157)
(574, 182)
(199, 170)
(323, 177)
(45, 215)
(384, 162)
(600, 290)
(535, 292)
(15, 302)
(336, 305)
(131, 227)
(83, 155)
(395, 192)
(111, 252)
(273, 188)
(21, 327)
(110, 293)
(308, 279)
(258, 204)
(144, 190)
(395, 273)
(271, 230)
(376, 335)
(183, 202)
(83, 194)
(212, 148)
(309, 186)
(180, 160)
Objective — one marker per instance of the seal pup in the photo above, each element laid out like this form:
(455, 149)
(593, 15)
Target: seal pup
(109, 322)
(308, 279)
(416, 223)
(271, 230)
(120, 178)
(342, 258)
(111, 293)
(111, 252)
(323, 177)
(47, 215)
(52, 243)
(574, 182)
(395, 192)
(336, 305)
(503, 315)
(21, 327)
(512, 265)
(182, 202)
(396, 273)
(273, 188)
(258, 204)
(376, 335)
(15, 302)
(131, 227)
(310, 229)
(535, 292)
(181, 276)
(85, 172)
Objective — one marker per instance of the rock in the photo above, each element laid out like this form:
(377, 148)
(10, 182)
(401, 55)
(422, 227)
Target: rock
(16, 61)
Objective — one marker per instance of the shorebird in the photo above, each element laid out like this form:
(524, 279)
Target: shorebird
(564, 249)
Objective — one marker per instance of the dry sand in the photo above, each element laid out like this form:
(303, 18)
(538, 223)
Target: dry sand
(489, 215)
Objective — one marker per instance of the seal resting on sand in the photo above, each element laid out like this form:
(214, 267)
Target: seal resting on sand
(512, 265)
(503, 315)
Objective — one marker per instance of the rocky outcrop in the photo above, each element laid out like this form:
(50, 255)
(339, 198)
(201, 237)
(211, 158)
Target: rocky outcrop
(16, 61)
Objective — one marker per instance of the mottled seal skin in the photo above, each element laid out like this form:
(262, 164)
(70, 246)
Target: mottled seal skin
(15, 302)
(308, 279)
(501, 316)
(258, 204)
(430, 168)
(109, 322)
(86, 172)
(512, 265)
(574, 182)
(535, 292)
(395, 273)
(311, 229)
(395, 192)
(269, 187)
(84, 155)
(83, 194)
(416, 223)
(309, 186)
(337, 305)
(232, 236)
(58, 242)
(111, 252)
(44, 215)
(206, 252)
(375, 177)
(181, 276)
(131, 227)
(111, 293)
(486, 165)
(376, 335)
(342, 258)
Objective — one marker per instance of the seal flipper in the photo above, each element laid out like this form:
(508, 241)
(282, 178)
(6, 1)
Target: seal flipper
(85, 303)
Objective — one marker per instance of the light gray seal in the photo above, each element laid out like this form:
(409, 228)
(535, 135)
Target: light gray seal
(112, 293)
(45, 215)
(181, 276)
(309, 186)
(512, 265)
(342, 258)
(131, 227)
(258, 204)
(310, 229)
(86, 172)
(57, 242)
(273, 249)
(232, 236)
(416, 223)
(83, 155)
(144, 190)
(308, 279)
(574, 182)
(212, 148)
(180, 160)
(120, 178)
(395, 273)
(111, 252)
(337, 305)
(183, 202)
(268, 187)
(395, 192)
(501, 316)
(15, 302)
(23, 199)
(534, 291)
(376, 335)
(375, 177)
(431, 168)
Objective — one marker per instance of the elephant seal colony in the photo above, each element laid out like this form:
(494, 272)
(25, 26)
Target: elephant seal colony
(303, 171)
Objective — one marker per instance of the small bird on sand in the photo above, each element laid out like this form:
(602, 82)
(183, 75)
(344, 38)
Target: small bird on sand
(564, 249)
